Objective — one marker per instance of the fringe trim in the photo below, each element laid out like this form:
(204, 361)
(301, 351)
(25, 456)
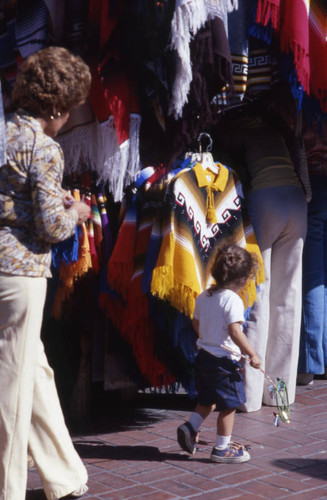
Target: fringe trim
(268, 11)
(249, 293)
(301, 60)
(180, 296)
(119, 276)
(80, 148)
(188, 18)
(162, 282)
(118, 164)
(96, 145)
(69, 273)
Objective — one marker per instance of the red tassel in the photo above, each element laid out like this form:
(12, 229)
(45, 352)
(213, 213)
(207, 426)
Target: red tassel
(268, 10)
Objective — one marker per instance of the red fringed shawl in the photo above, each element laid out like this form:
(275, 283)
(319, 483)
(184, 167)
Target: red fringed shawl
(302, 29)
(291, 20)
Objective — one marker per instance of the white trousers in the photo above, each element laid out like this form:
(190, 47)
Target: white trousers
(31, 420)
(278, 216)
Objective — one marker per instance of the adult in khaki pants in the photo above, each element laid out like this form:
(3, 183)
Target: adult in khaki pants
(35, 212)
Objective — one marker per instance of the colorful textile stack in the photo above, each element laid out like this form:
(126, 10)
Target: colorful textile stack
(125, 303)
(138, 329)
(75, 258)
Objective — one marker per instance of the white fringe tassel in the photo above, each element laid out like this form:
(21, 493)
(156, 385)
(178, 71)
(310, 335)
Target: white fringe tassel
(117, 165)
(95, 147)
(189, 17)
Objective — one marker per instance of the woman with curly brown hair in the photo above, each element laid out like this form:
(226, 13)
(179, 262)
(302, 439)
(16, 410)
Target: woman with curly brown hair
(34, 213)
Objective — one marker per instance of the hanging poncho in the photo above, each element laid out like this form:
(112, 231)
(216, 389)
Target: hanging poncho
(203, 213)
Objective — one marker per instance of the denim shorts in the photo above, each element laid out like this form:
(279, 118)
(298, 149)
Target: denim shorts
(218, 381)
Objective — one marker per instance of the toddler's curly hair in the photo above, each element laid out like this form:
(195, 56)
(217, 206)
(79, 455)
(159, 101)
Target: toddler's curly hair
(232, 265)
(51, 80)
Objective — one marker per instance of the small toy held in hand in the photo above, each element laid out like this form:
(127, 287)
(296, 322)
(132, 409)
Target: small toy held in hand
(279, 389)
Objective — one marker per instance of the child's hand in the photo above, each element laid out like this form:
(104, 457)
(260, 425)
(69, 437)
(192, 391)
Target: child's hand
(255, 361)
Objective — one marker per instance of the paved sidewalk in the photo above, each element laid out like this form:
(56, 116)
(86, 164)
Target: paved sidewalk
(132, 453)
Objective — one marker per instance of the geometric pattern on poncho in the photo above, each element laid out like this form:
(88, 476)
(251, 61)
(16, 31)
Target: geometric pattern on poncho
(190, 240)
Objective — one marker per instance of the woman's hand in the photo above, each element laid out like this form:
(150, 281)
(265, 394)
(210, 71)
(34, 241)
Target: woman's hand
(67, 198)
(82, 209)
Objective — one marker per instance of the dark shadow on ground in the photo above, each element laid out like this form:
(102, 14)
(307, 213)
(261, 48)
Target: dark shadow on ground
(95, 449)
(310, 467)
(35, 495)
(118, 419)
(113, 415)
(165, 401)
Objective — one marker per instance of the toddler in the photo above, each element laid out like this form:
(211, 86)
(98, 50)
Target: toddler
(218, 320)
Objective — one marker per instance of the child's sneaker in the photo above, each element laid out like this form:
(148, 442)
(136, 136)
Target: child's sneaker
(235, 453)
(187, 437)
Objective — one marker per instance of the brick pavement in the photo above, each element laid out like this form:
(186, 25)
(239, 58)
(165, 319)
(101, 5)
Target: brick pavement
(132, 453)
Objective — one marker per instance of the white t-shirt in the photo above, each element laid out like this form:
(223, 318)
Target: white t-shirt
(214, 314)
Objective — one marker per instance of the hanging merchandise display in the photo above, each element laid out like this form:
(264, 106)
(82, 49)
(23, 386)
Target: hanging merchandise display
(204, 208)
(300, 27)
(167, 263)
(163, 75)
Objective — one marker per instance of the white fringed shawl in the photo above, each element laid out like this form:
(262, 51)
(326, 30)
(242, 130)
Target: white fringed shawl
(189, 17)
(88, 144)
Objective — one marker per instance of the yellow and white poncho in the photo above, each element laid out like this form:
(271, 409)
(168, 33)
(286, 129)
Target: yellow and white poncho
(204, 211)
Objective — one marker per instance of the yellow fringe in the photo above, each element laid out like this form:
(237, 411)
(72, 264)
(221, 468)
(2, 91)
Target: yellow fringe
(253, 248)
(69, 273)
(249, 292)
(181, 296)
(162, 282)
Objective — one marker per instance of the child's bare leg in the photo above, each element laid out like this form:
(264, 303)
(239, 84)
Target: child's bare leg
(224, 451)
(225, 422)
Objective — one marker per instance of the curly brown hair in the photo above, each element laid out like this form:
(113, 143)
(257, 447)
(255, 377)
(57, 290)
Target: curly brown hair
(51, 80)
(232, 264)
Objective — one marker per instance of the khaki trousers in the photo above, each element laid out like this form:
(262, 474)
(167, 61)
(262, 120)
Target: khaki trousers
(279, 219)
(31, 420)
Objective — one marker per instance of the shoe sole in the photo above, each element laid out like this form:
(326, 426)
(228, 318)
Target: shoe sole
(184, 440)
(230, 460)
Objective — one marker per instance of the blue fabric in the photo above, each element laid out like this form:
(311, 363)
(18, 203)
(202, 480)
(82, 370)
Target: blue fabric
(66, 251)
(313, 345)
(218, 381)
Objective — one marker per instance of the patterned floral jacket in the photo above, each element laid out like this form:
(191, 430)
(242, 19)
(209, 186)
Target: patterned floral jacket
(32, 213)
